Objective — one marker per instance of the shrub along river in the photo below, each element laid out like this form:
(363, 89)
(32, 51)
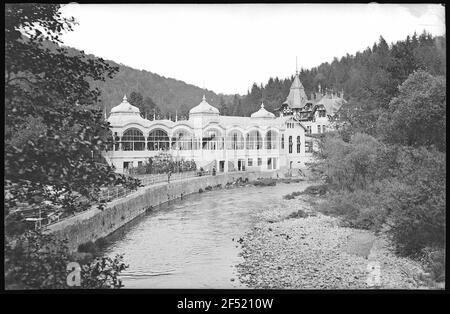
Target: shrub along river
(194, 242)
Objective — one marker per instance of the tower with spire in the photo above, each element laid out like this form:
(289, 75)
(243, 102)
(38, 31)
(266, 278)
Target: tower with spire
(298, 105)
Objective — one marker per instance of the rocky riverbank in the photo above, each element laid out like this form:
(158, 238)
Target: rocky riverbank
(295, 247)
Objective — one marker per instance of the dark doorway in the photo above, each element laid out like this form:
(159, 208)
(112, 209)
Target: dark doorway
(240, 165)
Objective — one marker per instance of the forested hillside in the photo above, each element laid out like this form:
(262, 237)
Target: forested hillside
(168, 94)
(369, 78)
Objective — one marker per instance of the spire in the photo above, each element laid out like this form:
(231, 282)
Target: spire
(154, 114)
(204, 98)
(176, 115)
(296, 67)
(125, 97)
(262, 105)
(320, 89)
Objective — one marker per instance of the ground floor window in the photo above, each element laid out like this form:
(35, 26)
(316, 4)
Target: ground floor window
(259, 161)
(250, 162)
(298, 144)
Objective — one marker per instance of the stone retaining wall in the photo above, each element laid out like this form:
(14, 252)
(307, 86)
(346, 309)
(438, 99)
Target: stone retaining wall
(94, 223)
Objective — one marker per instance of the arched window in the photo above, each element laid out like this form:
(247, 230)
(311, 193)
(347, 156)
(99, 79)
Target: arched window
(282, 141)
(271, 140)
(133, 139)
(212, 140)
(290, 144)
(235, 140)
(158, 140)
(254, 140)
(298, 144)
(182, 140)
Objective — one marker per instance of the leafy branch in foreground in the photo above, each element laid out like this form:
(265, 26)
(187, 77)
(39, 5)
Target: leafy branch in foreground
(35, 260)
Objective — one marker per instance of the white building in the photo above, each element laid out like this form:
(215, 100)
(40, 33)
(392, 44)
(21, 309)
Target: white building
(228, 143)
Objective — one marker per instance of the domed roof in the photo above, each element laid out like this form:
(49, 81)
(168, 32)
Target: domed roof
(125, 107)
(204, 107)
(125, 113)
(262, 113)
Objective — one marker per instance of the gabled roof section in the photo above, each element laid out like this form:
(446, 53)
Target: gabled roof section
(331, 104)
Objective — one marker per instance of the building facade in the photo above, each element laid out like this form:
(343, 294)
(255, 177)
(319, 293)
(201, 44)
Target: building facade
(227, 143)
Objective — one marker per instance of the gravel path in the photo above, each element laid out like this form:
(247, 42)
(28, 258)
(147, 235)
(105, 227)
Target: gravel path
(316, 253)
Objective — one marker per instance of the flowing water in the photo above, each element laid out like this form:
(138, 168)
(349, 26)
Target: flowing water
(192, 243)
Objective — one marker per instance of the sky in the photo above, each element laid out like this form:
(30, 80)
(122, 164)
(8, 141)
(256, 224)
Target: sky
(228, 47)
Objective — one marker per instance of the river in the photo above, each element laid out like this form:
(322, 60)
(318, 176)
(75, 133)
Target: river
(192, 243)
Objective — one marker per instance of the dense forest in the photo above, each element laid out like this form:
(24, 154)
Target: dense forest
(168, 94)
(369, 78)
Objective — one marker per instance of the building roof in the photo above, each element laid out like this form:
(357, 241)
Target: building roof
(297, 97)
(125, 107)
(125, 113)
(204, 108)
(331, 103)
(263, 113)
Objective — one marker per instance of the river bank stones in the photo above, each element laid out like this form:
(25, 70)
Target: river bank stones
(289, 249)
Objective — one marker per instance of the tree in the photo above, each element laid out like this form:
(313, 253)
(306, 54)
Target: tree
(29, 261)
(150, 107)
(137, 100)
(54, 165)
(417, 116)
(223, 108)
(146, 105)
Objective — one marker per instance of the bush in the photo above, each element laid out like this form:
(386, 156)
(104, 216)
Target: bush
(358, 209)
(298, 214)
(265, 182)
(434, 260)
(417, 201)
(316, 189)
(292, 195)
